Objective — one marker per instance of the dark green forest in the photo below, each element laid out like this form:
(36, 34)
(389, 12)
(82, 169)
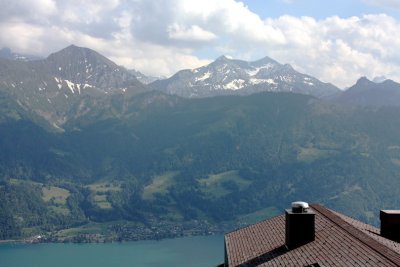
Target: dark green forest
(159, 158)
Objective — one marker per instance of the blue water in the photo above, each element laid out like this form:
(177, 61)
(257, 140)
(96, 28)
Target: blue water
(187, 251)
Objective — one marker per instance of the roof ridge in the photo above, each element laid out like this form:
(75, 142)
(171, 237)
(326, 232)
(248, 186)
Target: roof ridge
(383, 250)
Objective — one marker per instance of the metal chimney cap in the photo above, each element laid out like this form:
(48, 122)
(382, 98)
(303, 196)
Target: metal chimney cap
(299, 207)
(300, 204)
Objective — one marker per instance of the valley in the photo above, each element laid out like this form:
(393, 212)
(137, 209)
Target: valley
(111, 164)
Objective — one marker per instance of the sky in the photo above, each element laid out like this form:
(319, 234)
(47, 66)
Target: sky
(335, 41)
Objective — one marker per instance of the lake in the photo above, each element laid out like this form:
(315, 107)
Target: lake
(199, 251)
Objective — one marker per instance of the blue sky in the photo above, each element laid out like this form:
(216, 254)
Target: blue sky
(335, 41)
(322, 9)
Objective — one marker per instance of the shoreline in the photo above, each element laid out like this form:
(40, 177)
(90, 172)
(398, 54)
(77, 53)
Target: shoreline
(11, 241)
(95, 241)
(125, 232)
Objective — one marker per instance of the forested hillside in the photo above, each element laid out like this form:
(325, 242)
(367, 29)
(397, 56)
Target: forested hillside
(157, 158)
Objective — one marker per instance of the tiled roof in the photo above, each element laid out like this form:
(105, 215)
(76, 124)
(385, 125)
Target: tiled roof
(372, 231)
(339, 241)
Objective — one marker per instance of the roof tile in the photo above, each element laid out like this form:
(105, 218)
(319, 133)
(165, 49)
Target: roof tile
(339, 241)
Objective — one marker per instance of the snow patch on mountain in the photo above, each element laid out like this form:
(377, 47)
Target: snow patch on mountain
(254, 71)
(287, 79)
(260, 81)
(230, 76)
(235, 84)
(204, 77)
(73, 87)
(309, 83)
(70, 85)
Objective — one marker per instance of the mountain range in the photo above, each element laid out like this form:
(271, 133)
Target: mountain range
(83, 142)
(145, 79)
(7, 53)
(227, 76)
(369, 93)
(71, 82)
(65, 84)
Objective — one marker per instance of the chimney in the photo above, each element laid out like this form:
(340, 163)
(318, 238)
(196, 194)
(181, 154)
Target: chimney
(390, 224)
(300, 225)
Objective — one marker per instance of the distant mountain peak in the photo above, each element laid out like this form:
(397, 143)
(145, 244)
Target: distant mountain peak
(85, 66)
(73, 46)
(227, 76)
(266, 60)
(80, 60)
(379, 79)
(66, 81)
(368, 93)
(145, 79)
(363, 80)
(222, 59)
(389, 82)
(6, 50)
(73, 50)
(7, 53)
(288, 67)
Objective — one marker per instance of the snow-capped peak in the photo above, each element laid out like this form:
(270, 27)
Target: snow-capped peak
(232, 76)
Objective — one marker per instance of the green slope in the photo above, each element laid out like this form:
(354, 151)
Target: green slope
(159, 158)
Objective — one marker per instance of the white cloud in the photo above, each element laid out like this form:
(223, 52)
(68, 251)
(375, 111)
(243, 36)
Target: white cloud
(341, 50)
(22, 37)
(193, 33)
(86, 11)
(27, 10)
(161, 37)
